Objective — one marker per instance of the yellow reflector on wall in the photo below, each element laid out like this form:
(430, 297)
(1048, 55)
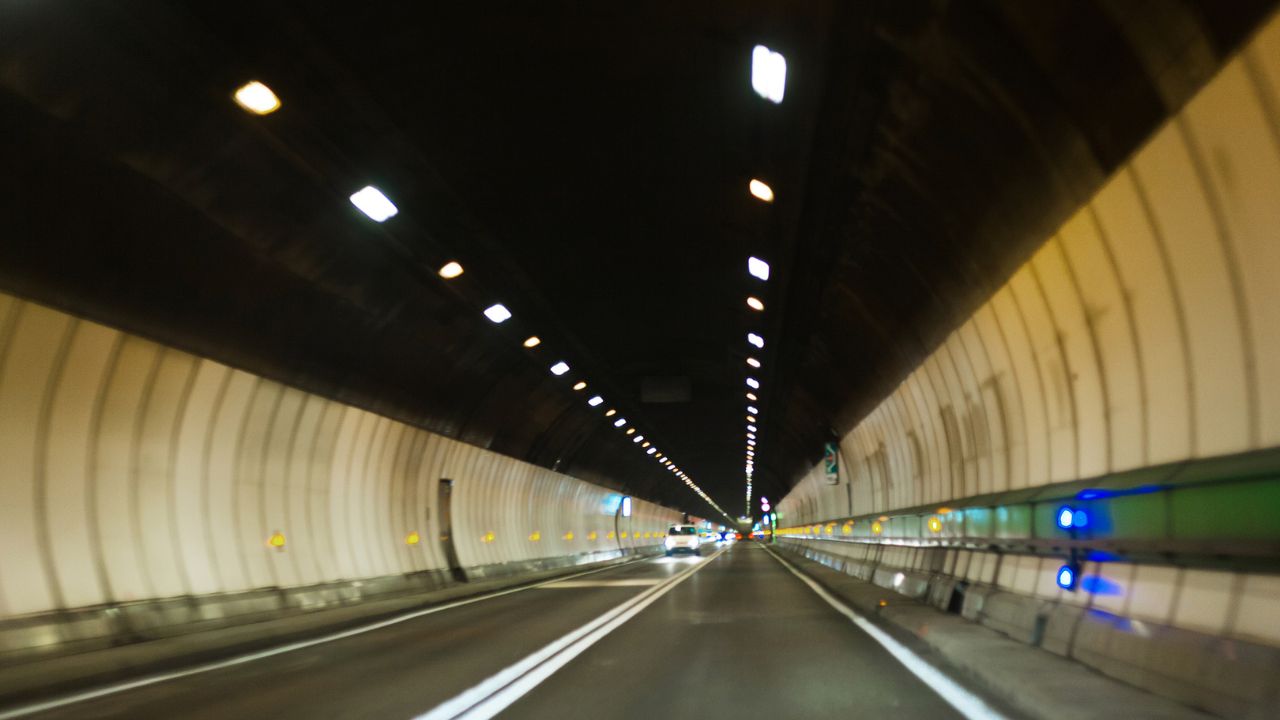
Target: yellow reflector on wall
(568, 535)
(536, 536)
(876, 527)
(276, 540)
(412, 538)
(935, 524)
(487, 537)
(592, 535)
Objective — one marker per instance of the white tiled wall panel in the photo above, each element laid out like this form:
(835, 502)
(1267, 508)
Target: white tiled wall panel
(134, 471)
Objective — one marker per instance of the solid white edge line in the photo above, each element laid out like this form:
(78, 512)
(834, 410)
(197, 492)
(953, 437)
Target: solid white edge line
(494, 694)
(54, 703)
(956, 695)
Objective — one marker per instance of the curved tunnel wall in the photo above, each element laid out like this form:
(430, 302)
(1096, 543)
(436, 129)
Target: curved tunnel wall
(135, 471)
(1146, 330)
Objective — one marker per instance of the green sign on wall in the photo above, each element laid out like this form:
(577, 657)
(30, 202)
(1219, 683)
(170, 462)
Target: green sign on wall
(831, 463)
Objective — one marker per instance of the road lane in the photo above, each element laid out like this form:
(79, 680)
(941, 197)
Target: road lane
(742, 638)
(398, 671)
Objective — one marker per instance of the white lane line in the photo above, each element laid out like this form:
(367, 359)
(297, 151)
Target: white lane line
(52, 704)
(568, 584)
(957, 696)
(492, 696)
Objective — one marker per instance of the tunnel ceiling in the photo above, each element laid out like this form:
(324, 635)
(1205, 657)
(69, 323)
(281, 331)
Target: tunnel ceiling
(587, 163)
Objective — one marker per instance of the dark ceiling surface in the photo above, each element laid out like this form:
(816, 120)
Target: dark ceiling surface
(587, 163)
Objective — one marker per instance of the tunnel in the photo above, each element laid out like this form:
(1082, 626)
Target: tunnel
(875, 358)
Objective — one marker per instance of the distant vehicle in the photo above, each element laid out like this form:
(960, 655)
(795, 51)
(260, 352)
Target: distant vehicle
(682, 538)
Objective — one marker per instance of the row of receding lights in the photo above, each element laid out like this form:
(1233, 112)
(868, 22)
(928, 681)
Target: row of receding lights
(259, 99)
(768, 79)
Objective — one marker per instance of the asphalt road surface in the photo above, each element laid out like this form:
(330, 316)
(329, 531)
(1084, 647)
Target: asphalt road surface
(734, 635)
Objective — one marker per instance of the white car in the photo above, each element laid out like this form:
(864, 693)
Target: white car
(682, 538)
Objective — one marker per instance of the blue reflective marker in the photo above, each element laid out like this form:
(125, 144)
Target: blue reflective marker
(1067, 577)
(1065, 517)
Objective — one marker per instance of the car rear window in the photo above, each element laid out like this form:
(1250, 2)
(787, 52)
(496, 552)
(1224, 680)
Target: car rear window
(688, 530)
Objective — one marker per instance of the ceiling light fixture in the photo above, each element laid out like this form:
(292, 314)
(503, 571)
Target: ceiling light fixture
(451, 270)
(755, 339)
(761, 191)
(532, 341)
(758, 268)
(373, 203)
(753, 362)
(498, 313)
(630, 431)
(752, 428)
(751, 409)
(752, 396)
(560, 368)
(257, 98)
(595, 401)
(610, 412)
(619, 422)
(768, 73)
(580, 385)
(753, 383)
(754, 303)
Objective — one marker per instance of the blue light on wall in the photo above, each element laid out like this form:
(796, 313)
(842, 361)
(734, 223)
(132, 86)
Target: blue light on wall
(1067, 577)
(1069, 517)
(1064, 517)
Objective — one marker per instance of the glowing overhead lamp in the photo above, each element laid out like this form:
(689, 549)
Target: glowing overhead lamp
(753, 383)
(751, 418)
(257, 98)
(752, 397)
(637, 439)
(650, 451)
(753, 362)
(619, 422)
(610, 412)
(646, 444)
(580, 385)
(595, 401)
(451, 270)
(752, 409)
(754, 303)
(498, 313)
(631, 431)
(751, 436)
(768, 73)
(373, 203)
(755, 339)
(532, 341)
(560, 368)
(758, 268)
(760, 191)
(752, 428)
